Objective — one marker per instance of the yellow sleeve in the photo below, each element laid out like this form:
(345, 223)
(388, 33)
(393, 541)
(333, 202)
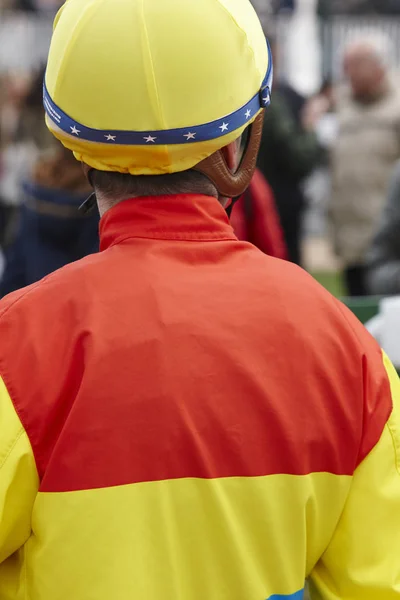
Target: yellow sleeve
(18, 479)
(362, 561)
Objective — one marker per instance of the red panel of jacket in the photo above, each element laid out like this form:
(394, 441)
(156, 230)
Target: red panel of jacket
(179, 351)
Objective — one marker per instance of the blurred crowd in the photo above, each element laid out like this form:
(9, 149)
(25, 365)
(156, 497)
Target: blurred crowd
(41, 189)
(343, 142)
(30, 5)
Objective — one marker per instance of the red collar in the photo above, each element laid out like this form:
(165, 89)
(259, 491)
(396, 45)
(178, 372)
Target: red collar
(183, 217)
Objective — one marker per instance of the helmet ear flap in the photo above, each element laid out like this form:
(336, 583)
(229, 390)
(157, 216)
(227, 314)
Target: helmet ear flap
(215, 168)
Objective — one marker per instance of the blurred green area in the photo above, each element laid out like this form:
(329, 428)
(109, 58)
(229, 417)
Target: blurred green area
(364, 308)
(332, 281)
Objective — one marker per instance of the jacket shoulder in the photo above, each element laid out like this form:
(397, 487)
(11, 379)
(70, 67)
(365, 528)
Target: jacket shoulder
(316, 308)
(338, 351)
(55, 288)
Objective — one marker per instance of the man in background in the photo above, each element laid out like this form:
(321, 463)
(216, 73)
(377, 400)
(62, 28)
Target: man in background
(45, 188)
(368, 145)
(289, 152)
(384, 255)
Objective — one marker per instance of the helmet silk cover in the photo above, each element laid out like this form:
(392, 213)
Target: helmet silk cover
(154, 86)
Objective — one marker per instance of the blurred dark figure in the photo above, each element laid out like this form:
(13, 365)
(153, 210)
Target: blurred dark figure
(358, 7)
(35, 6)
(255, 219)
(289, 152)
(50, 231)
(31, 124)
(16, 152)
(328, 91)
(319, 185)
(27, 5)
(368, 146)
(383, 260)
(284, 5)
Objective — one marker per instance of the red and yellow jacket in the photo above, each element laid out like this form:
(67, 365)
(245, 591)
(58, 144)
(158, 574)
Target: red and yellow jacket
(183, 417)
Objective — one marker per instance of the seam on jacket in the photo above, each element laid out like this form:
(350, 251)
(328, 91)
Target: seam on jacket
(28, 291)
(22, 296)
(25, 568)
(21, 416)
(395, 439)
(361, 347)
(355, 334)
(172, 239)
(3, 462)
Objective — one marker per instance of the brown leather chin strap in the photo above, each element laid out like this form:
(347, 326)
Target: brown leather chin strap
(228, 184)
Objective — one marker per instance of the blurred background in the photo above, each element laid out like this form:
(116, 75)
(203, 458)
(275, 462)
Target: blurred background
(327, 191)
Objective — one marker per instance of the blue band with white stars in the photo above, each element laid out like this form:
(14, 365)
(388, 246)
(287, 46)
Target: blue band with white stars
(184, 135)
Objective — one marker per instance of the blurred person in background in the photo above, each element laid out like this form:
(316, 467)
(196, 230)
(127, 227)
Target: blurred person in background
(51, 232)
(289, 152)
(318, 187)
(284, 5)
(14, 91)
(255, 219)
(31, 5)
(355, 7)
(383, 258)
(50, 186)
(17, 151)
(367, 147)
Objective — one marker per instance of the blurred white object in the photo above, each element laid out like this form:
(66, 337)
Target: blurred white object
(17, 163)
(2, 264)
(375, 327)
(304, 49)
(318, 186)
(24, 41)
(386, 328)
(327, 130)
(390, 310)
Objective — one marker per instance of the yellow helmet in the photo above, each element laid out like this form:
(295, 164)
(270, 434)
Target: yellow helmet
(154, 86)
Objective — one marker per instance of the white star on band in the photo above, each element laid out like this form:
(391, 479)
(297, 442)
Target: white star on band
(248, 114)
(150, 139)
(224, 127)
(266, 99)
(189, 136)
(110, 138)
(74, 130)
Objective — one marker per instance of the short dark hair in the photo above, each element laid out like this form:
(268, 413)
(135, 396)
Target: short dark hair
(116, 186)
